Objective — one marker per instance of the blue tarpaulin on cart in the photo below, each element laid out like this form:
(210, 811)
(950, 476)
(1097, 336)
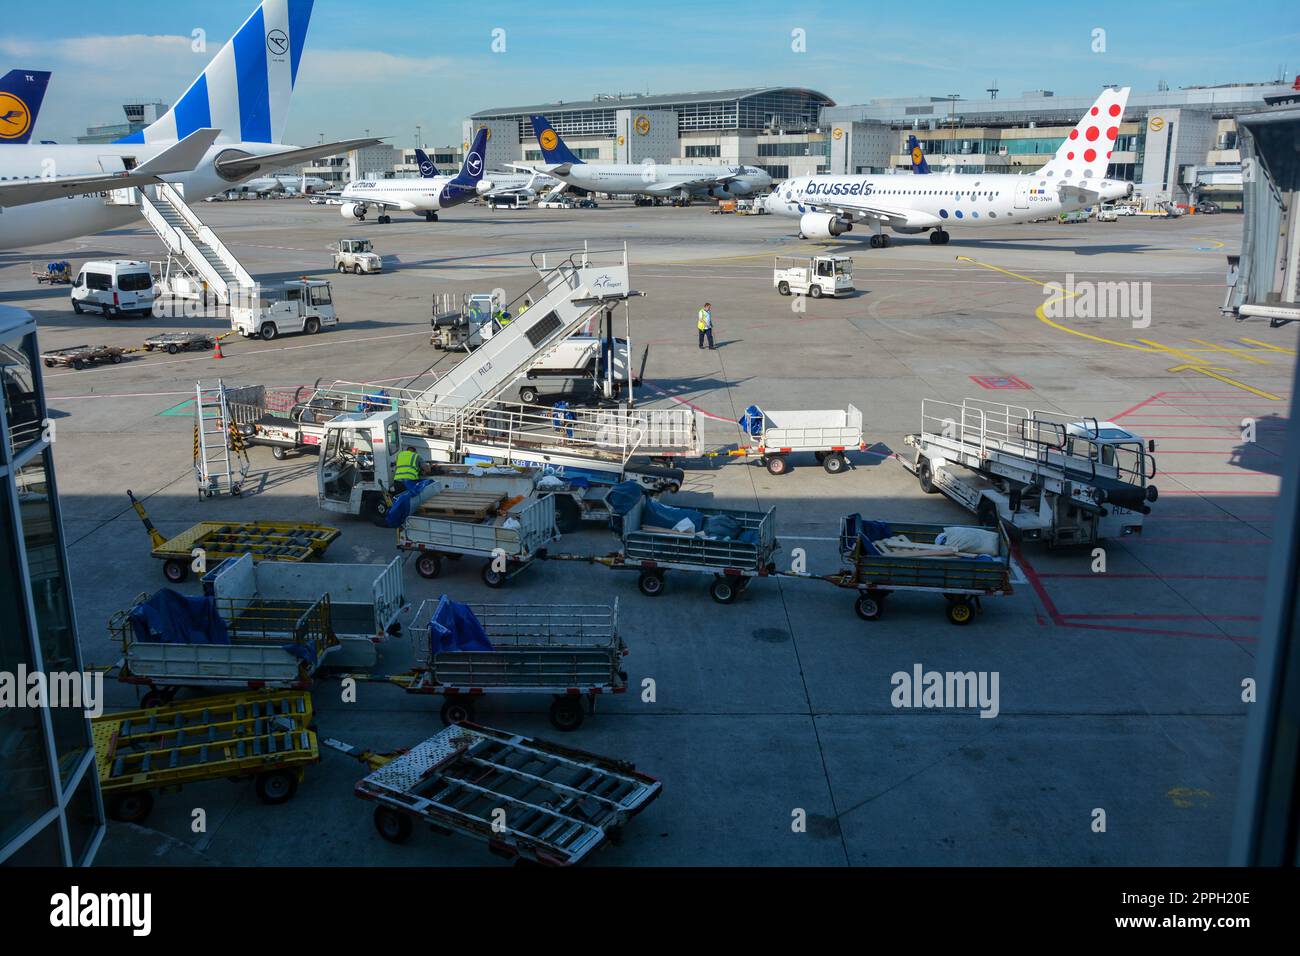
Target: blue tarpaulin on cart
(861, 530)
(751, 423)
(623, 497)
(400, 509)
(454, 627)
(172, 618)
(659, 515)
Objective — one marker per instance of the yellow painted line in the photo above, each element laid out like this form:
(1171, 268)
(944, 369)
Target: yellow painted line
(1213, 373)
(1234, 351)
(1269, 346)
(1176, 352)
(1217, 243)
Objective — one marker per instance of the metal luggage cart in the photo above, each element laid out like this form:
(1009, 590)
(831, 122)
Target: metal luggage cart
(476, 532)
(262, 735)
(825, 433)
(218, 540)
(173, 342)
(261, 635)
(528, 799)
(570, 651)
(733, 563)
(963, 581)
(82, 356)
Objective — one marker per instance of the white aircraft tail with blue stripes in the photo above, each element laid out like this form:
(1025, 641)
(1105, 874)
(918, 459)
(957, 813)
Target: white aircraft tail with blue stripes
(245, 89)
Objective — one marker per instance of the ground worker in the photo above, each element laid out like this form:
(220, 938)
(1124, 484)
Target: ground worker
(408, 468)
(502, 318)
(705, 324)
(528, 302)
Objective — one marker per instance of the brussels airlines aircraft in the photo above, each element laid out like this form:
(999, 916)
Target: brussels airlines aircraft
(646, 179)
(427, 194)
(223, 130)
(1074, 178)
(21, 92)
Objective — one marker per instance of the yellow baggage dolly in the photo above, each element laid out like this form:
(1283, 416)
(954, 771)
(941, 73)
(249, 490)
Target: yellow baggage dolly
(264, 736)
(264, 540)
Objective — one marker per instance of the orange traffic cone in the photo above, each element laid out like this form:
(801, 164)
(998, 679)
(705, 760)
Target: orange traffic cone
(217, 354)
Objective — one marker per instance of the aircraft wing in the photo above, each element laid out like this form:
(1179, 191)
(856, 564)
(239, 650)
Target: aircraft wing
(381, 204)
(856, 210)
(246, 165)
(178, 158)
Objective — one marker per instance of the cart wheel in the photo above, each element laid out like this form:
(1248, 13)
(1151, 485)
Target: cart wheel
(651, 583)
(566, 713)
(130, 807)
(783, 287)
(78, 364)
(869, 607)
(961, 612)
(276, 786)
(815, 291)
(724, 590)
(278, 453)
(925, 476)
(392, 826)
(428, 566)
(776, 465)
(834, 463)
(115, 359)
(492, 577)
(374, 507)
(175, 571)
(528, 395)
(173, 349)
(456, 710)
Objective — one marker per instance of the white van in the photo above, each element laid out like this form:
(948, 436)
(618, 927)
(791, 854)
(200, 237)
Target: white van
(115, 287)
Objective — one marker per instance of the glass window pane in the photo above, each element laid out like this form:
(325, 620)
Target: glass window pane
(49, 588)
(44, 849)
(22, 404)
(25, 791)
(83, 817)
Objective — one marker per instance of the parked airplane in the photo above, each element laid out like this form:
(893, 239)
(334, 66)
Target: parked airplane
(1075, 178)
(235, 110)
(21, 93)
(286, 183)
(426, 195)
(919, 165)
(647, 179)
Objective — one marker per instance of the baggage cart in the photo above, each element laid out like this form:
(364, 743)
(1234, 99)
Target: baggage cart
(174, 342)
(263, 735)
(218, 540)
(733, 562)
(962, 580)
(53, 273)
(82, 356)
(267, 643)
(528, 799)
(570, 651)
(825, 433)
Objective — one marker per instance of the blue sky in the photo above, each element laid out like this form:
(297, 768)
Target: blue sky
(388, 65)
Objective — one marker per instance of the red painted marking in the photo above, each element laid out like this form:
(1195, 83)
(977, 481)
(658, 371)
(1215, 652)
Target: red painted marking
(1035, 582)
(1155, 397)
(1161, 632)
(999, 381)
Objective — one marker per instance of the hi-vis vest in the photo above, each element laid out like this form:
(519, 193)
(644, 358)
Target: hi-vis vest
(408, 467)
(706, 320)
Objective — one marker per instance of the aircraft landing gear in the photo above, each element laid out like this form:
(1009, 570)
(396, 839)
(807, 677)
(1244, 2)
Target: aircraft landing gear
(383, 220)
(430, 216)
(939, 238)
(879, 241)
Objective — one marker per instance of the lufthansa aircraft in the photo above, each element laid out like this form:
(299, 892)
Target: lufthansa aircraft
(223, 130)
(1075, 178)
(21, 93)
(425, 195)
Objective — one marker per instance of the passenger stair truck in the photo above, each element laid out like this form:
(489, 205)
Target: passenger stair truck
(1060, 479)
(193, 246)
(460, 419)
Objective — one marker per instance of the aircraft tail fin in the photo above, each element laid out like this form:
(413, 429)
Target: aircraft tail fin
(553, 148)
(1085, 154)
(244, 91)
(427, 168)
(471, 171)
(21, 93)
(919, 165)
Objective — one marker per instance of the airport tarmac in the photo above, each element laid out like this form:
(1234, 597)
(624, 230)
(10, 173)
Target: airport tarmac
(1120, 691)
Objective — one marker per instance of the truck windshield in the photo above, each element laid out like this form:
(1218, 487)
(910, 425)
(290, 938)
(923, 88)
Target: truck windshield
(320, 295)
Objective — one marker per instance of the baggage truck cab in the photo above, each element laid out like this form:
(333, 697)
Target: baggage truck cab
(814, 276)
(302, 305)
(115, 287)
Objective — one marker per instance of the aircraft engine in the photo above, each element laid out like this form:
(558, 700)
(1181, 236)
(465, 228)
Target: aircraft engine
(484, 187)
(822, 225)
(354, 209)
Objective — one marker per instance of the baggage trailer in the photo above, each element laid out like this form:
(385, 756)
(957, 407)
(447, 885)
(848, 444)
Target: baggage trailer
(218, 540)
(251, 643)
(827, 434)
(285, 419)
(875, 573)
(570, 651)
(528, 799)
(264, 735)
(82, 356)
(653, 551)
(510, 533)
(174, 342)
(365, 600)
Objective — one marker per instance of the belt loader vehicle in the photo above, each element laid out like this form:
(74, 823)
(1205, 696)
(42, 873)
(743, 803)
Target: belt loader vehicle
(1055, 478)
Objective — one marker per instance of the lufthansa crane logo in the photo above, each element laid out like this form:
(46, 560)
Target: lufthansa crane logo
(642, 124)
(277, 41)
(15, 117)
(548, 139)
(916, 155)
(838, 134)
(474, 163)
(1157, 124)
